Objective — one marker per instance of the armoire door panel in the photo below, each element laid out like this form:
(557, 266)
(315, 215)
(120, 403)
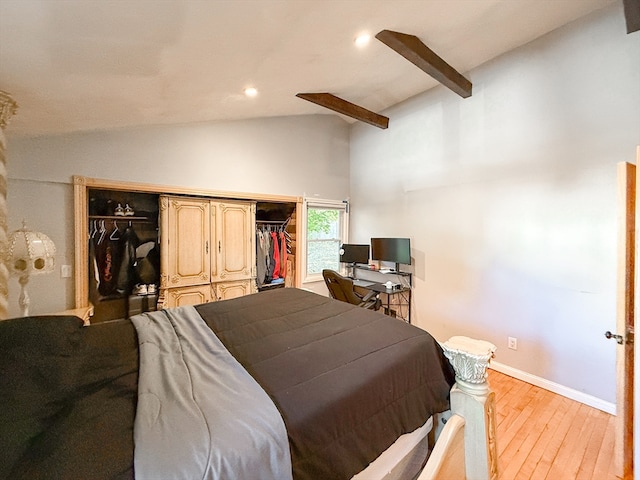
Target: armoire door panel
(235, 248)
(227, 290)
(186, 249)
(182, 296)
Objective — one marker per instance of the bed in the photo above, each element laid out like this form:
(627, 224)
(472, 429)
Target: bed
(337, 384)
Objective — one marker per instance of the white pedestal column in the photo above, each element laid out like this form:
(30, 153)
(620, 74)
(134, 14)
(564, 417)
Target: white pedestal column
(472, 399)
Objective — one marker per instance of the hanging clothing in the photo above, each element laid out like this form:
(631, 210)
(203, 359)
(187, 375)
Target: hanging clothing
(148, 263)
(94, 273)
(276, 255)
(108, 255)
(261, 258)
(270, 260)
(127, 276)
(273, 253)
(283, 255)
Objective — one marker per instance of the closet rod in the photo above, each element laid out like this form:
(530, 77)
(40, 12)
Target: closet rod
(120, 218)
(273, 222)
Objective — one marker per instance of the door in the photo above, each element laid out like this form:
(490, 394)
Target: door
(184, 238)
(625, 318)
(233, 238)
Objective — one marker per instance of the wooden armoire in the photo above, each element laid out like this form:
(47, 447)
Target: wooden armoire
(207, 249)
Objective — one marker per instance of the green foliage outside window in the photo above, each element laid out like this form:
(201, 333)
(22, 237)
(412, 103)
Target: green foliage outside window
(321, 221)
(323, 239)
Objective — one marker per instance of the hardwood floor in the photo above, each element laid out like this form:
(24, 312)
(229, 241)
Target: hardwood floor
(542, 435)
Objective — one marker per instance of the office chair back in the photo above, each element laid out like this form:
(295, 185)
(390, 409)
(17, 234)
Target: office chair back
(341, 288)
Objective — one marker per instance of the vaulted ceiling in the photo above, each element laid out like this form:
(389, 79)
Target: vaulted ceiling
(93, 64)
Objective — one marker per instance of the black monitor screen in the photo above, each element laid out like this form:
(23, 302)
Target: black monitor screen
(350, 253)
(397, 250)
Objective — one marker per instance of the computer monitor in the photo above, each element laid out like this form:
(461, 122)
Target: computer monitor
(352, 253)
(396, 250)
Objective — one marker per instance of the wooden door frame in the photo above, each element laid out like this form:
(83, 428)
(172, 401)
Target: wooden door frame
(636, 346)
(627, 212)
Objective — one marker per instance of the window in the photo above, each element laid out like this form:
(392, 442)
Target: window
(326, 229)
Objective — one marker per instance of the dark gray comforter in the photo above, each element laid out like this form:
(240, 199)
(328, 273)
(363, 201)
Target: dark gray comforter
(347, 381)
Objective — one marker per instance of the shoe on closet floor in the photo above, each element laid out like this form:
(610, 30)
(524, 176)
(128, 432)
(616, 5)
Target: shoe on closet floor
(140, 290)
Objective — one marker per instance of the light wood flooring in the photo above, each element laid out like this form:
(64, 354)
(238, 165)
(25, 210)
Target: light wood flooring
(542, 435)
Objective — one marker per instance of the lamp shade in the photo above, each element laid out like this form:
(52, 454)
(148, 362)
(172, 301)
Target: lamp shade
(30, 253)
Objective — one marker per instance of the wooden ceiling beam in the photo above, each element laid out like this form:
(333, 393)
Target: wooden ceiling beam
(412, 48)
(352, 110)
(632, 15)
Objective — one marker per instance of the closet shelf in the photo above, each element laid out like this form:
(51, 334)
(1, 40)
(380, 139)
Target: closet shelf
(120, 217)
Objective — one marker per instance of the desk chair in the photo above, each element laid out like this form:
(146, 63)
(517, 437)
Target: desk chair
(341, 288)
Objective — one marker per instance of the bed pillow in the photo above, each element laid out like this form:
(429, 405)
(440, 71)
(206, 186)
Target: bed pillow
(37, 372)
(68, 398)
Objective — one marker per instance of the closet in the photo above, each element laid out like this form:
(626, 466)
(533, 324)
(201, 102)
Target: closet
(179, 246)
(123, 253)
(275, 245)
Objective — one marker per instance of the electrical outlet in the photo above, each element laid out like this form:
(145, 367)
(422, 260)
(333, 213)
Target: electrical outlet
(512, 343)
(65, 271)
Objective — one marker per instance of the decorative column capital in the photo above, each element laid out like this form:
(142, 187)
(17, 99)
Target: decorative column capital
(8, 108)
(470, 359)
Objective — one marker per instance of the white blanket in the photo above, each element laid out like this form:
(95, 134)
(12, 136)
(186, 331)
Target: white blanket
(200, 415)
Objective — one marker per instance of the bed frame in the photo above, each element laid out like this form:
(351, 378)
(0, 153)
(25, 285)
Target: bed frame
(466, 445)
(466, 435)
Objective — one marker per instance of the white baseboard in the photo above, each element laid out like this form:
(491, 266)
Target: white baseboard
(555, 387)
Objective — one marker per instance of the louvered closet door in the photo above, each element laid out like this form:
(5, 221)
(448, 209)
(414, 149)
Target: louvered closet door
(233, 226)
(185, 245)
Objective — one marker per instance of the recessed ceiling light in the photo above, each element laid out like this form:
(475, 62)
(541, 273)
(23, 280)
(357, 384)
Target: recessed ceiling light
(250, 92)
(362, 40)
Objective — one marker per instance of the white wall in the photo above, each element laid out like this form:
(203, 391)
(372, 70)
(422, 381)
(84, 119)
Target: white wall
(293, 156)
(509, 198)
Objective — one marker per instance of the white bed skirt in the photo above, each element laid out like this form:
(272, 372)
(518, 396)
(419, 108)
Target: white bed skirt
(403, 459)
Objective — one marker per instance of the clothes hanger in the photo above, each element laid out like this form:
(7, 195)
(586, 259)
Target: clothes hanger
(115, 234)
(103, 231)
(93, 228)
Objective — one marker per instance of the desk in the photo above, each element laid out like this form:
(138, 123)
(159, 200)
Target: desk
(398, 302)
